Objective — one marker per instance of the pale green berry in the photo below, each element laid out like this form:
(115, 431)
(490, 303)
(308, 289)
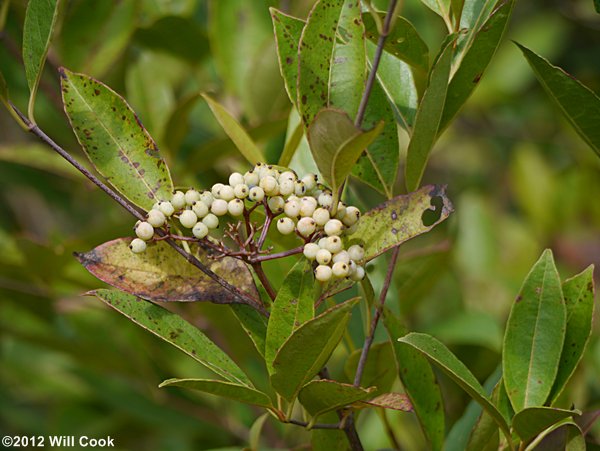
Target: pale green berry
(352, 229)
(306, 226)
(341, 256)
(323, 257)
(216, 190)
(144, 230)
(321, 216)
(310, 250)
(307, 207)
(236, 179)
(156, 218)
(256, 194)
(356, 252)
(166, 208)
(292, 208)
(310, 181)
(200, 208)
(325, 200)
(286, 187)
(211, 221)
(137, 245)
(276, 204)
(200, 230)
(188, 219)
(323, 273)
(333, 244)
(340, 269)
(219, 207)
(251, 178)
(191, 196)
(269, 185)
(358, 274)
(207, 198)
(288, 175)
(235, 207)
(333, 227)
(299, 188)
(285, 226)
(178, 200)
(351, 217)
(226, 193)
(341, 211)
(241, 190)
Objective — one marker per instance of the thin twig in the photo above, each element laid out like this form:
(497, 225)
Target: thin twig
(283, 254)
(316, 425)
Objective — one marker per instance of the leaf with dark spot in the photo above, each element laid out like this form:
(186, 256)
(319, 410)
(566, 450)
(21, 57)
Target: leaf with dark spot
(161, 274)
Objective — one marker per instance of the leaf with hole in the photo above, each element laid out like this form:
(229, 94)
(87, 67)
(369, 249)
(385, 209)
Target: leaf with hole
(160, 274)
(173, 329)
(115, 140)
(534, 336)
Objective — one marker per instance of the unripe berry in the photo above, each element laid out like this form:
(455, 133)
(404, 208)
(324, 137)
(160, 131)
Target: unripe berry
(306, 226)
(235, 207)
(276, 204)
(191, 196)
(351, 217)
(323, 273)
(207, 198)
(333, 227)
(299, 188)
(333, 244)
(236, 179)
(219, 207)
(356, 252)
(286, 187)
(211, 221)
(216, 190)
(188, 219)
(325, 200)
(352, 229)
(285, 226)
(341, 256)
(256, 194)
(178, 200)
(292, 208)
(340, 269)
(226, 193)
(269, 185)
(200, 230)
(323, 257)
(321, 216)
(200, 208)
(241, 191)
(310, 250)
(310, 181)
(341, 211)
(251, 178)
(156, 218)
(307, 207)
(358, 274)
(144, 230)
(137, 245)
(166, 208)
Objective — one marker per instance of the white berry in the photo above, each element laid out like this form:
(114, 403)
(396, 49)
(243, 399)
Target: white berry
(288, 175)
(307, 207)
(333, 244)
(323, 273)
(200, 208)
(358, 274)
(216, 190)
(236, 179)
(200, 230)
(340, 269)
(191, 196)
(219, 207)
(341, 256)
(251, 178)
(285, 226)
(144, 230)
(321, 216)
(226, 193)
(299, 188)
(356, 252)
(137, 245)
(256, 194)
(351, 217)
(241, 191)
(292, 208)
(286, 187)
(325, 200)
(323, 257)
(211, 221)
(310, 250)
(341, 211)
(306, 226)
(310, 181)
(235, 207)
(178, 200)
(269, 185)
(333, 227)
(156, 218)
(207, 198)
(166, 208)
(188, 219)
(276, 204)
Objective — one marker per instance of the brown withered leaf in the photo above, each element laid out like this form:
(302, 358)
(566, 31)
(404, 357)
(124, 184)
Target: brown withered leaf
(394, 401)
(161, 274)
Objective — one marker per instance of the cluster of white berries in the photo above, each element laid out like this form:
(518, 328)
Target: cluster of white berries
(306, 208)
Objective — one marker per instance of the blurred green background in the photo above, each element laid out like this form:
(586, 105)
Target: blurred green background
(520, 178)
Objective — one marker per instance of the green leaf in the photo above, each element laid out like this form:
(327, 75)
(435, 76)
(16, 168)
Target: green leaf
(292, 142)
(236, 133)
(328, 439)
(429, 115)
(579, 298)
(403, 41)
(440, 7)
(161, 274)
(380, 370)
(531, 421)
(441, 356)
(336, 143)
(597, 5)
(579, 104)
(256, 431)
(40, 18)
(316, 50)
(229, 390)
(486, 41)
(115, 140)
(534, 336)
(288, 30)
(293, 306)
(324, 395)
(3, 91)
(419, 382)
(308, 349)
(484, 434)
(173, 329)
(400, 219)
(253, 323)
